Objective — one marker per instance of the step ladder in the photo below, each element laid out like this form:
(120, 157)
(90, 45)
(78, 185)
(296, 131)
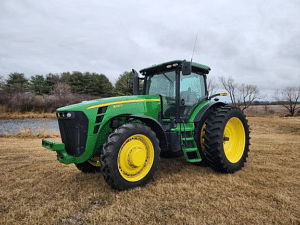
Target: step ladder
(189, 146)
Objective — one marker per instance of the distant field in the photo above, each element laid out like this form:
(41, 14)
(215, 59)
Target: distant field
(36, 189)
(265, 110)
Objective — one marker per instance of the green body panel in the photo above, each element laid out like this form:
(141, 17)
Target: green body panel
(147, 105)
(197, 109)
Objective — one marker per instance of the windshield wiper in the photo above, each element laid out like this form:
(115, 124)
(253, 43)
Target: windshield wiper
(167, 77)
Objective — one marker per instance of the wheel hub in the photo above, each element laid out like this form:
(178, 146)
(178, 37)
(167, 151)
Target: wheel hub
(136, 157)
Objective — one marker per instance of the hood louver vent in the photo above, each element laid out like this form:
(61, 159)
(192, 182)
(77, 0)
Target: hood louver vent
(99, 118)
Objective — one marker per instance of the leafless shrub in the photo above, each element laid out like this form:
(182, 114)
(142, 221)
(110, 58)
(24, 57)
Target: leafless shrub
(45, 133)
(61, 90)
(289, 98)
(30, 102)
(26, 133)
(21, 102)
(242, 95)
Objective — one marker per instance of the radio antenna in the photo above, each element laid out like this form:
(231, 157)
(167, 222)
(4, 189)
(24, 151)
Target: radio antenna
(194, 47)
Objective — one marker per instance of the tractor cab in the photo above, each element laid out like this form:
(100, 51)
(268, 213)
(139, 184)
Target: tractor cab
(180, 84)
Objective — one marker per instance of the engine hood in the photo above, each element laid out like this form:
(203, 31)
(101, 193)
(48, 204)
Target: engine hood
(86, 105)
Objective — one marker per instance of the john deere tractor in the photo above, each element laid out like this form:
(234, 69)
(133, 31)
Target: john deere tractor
(172, 116)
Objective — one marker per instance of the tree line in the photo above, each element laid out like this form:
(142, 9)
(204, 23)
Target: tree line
(77, 82)
(46, 93)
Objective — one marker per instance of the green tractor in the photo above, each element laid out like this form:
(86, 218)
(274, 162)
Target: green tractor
(124, 137)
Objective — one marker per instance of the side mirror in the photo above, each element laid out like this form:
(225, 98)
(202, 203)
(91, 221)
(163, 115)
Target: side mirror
(129, 83)
(136, 83)
(186, 68)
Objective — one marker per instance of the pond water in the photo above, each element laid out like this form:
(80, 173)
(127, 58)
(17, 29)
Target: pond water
(14, 126)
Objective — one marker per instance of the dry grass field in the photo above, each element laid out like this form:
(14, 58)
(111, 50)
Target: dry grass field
(36, 189)
(266, 110)
(18, 115)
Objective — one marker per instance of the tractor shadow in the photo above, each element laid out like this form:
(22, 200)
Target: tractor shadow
(176, 166)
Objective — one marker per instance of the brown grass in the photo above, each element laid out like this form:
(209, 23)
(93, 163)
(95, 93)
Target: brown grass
(36, 189)
(266, 110)
(19, 115)
(29, 133)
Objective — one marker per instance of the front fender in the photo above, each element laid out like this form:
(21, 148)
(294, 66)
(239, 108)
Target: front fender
(156, 127)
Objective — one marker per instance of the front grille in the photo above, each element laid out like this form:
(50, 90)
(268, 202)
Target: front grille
(73, 132)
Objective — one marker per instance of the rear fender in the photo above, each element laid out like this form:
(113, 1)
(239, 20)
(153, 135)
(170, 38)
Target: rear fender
(205, 108)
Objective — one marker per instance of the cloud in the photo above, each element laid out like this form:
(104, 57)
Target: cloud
(254, 42)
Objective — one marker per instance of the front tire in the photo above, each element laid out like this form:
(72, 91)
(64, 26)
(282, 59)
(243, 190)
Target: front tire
(227, 139)
(130, 156)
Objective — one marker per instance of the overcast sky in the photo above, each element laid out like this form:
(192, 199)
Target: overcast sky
(255, 42)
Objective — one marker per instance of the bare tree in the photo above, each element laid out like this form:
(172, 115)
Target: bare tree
(61, 90)
(241, 95)
(230, 87)
(212, 86)
(247, 94)
(289, 98)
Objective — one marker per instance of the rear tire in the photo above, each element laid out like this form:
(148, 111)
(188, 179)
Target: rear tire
(130, 156)
(227, 139)
(200, 128)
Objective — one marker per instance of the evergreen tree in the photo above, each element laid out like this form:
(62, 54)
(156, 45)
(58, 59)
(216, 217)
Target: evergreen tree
(50, 81)
(17, 82)
(37, 84)
(97, 84)
(88, 83)
(75, 80)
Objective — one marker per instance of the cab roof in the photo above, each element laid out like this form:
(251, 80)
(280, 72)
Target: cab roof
(171, 65)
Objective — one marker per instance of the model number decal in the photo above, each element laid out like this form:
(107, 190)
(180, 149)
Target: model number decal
(117, 106)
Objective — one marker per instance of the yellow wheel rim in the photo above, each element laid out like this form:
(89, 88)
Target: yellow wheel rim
(202, 133)
(234, 140)
(95, 161)
(135, 157)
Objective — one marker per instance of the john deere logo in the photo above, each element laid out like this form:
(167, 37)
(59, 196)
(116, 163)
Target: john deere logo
(117, 106)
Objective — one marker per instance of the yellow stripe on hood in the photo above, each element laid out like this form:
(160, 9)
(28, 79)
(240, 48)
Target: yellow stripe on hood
(123, 102)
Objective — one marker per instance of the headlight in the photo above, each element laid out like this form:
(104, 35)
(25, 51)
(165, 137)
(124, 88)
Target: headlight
(65, 115)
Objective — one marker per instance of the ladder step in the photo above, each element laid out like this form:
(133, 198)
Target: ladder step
(187, 129)
(191, 149)
(188, 139)
(195, 160)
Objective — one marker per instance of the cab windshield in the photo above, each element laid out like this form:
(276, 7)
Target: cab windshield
(192, 89)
